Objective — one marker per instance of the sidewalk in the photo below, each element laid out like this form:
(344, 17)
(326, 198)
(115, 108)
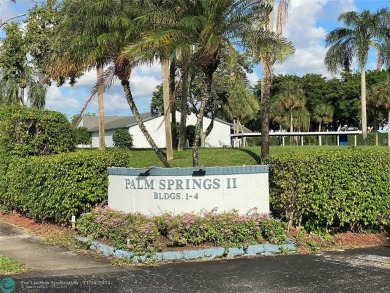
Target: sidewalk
(32, 251)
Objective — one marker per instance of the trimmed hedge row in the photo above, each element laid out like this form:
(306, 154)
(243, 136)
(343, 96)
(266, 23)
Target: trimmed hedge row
(332, 189)
(53, 188)
(321, 189)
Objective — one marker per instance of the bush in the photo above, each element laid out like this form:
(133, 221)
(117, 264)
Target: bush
(82, 136)
(25, 132)
(122, 139)
(347, 188)
(144, 233)
(56, 187)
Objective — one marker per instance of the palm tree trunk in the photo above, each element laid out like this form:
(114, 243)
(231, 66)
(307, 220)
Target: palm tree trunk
(102, 144)
(363, 104)
(134, 110)
(376, 128)
(198, 125)
(319, 137)
(172, 99)
(183, 106)
(266, 92)
(168, 132)
(265, 105)
(21, 96)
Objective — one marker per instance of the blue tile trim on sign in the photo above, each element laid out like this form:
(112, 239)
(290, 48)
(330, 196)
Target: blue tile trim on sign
(205, 254)
(201, 171)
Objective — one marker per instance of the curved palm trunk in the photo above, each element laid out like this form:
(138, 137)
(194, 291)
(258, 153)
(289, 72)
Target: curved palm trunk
(183, 106)
(102, 143)
(198, 125)
(363, 103)
(134, 110)
(168, 131)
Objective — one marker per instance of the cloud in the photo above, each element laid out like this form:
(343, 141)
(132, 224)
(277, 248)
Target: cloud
(308, 23)
(57, 101)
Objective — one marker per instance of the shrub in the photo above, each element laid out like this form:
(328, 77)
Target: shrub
(25, 132)
(347, 188)
(122, 139)
(82, 136)
(143, 233)
(53, 188)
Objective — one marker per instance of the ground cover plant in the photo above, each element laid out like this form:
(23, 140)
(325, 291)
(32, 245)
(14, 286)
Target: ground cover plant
(9, 266)
(149, 234)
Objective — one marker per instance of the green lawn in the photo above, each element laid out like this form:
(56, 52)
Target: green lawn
(209, 157)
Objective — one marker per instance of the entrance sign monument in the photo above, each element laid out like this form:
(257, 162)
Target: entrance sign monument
(183, 190)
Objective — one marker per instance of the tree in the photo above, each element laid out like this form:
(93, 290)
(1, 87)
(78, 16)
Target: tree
(381, 94)
(322, 114)
(360, 31)
(101, 29)
(87, 46)
(268, 56)
(290, 98)
(13, 59)
(218, 23)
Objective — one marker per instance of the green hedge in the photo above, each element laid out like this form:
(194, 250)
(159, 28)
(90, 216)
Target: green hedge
(348, 188)
(53, 188)
(319, 188)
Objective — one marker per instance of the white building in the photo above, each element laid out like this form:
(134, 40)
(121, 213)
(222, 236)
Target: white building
(219, 136)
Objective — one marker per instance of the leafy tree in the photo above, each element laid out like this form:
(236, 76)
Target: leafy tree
(13, 59)
(122, 138)
(353, 40)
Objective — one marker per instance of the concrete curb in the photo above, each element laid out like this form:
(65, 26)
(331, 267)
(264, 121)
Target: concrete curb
(205, 254)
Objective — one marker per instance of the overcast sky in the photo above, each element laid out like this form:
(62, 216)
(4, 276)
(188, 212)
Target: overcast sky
(308, 23)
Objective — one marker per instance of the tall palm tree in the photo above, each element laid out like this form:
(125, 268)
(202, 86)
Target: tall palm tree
(216, 25)
(122, 69)
(89, 47)
(360, 31)
(268, 57)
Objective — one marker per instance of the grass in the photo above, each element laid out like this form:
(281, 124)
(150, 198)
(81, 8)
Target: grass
(210, 157)
(9, 266)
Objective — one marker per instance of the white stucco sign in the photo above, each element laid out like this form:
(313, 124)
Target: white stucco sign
(180, 190)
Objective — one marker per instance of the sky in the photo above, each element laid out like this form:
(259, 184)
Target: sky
(308, 23)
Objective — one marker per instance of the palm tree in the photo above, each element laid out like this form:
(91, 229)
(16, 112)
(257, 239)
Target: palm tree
(354, 40)
(91, 42)
(122, 69)
(380, 96)
(322, 114)
(216, 25)
(268, 57)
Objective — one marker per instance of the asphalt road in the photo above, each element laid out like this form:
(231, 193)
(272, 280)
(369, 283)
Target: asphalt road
(359, 270)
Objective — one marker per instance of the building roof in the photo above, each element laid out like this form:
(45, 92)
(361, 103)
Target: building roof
(117, 122)
(111, 122)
